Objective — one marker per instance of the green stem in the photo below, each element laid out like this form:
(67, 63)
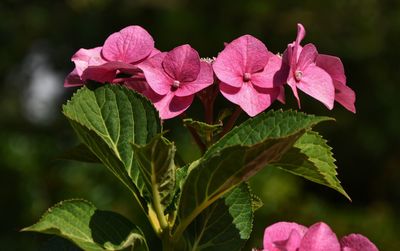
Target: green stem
(231, 121)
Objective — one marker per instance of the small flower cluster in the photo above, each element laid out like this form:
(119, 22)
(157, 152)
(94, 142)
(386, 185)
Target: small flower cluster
(290, 236)
(247, 74)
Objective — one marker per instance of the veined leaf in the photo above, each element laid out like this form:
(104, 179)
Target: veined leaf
(157, 167)
(239, 155)
(89, 228)
(312, 159)
(107, 120)
(225, 225)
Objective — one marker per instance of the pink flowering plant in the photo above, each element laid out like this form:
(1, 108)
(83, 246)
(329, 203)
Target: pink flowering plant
(128, 88)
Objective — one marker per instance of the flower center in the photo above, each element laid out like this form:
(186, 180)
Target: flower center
(246, 77)
(298, 75)
(175, 85)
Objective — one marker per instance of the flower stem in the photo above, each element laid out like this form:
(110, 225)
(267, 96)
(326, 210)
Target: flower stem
(231, 121)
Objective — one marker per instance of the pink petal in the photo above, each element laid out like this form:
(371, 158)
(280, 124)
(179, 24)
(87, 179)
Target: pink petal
(307, 56)
(250, 98)
(345, 96)
(357, 242)
(87, 57)
(301, 33)
(293, 85)
(204, 79)
(182, 63)
(281, 97)
(107, 72)
(275, 73)
(170, 106)
(129, 45)
(155, 75)
(282, 232)
(245, 54)
(333, 66)
(318, 84)
(73, 80)
(295, 46)
(319, 237)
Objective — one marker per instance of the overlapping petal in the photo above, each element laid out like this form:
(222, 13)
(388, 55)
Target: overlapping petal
(203, 80)
(274, 74)
(155, 75)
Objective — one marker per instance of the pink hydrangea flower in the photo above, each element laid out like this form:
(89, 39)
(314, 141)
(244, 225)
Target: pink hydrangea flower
(121, 53)
(174, 78)
(304, 73)
(318, 75)
(288, 236)
(250, 75)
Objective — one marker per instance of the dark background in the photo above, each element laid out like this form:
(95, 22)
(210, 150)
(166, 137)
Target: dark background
(37, 39)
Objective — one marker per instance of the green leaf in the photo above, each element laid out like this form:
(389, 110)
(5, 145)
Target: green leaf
(256, 202)
(80, 153)
(89, 228)
(203, 129)
(239, 155)
(107, 120)
(312, 159)
(225, 225)
(269, 125)
(157, 167)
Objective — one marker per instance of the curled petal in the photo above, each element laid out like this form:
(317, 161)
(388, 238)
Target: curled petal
(245, 54)
(204, 79)
(283, 233)
(129, 45)
(182, 63)
(296, 47)
(320, 237)
(107, 72)
(357, 242)
(251, 98)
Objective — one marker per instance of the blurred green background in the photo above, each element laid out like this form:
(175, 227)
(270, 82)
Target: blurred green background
(37, 39)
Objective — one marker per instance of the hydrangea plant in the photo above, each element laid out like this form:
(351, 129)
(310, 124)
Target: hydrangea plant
(205, 204)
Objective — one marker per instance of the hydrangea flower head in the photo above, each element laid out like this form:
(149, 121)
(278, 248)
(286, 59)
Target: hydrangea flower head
(174, 78)
(250, 75)
(290, 236)
(121, 52)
